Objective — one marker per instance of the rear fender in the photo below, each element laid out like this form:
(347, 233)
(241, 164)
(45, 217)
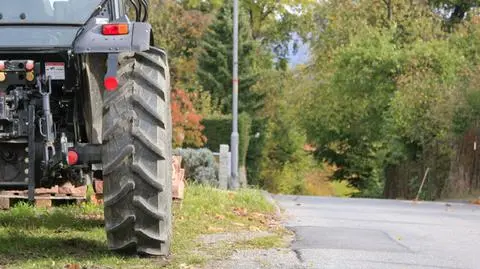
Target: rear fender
(91, 39)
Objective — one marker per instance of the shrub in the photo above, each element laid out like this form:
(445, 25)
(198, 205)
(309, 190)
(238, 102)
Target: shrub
(199, 165)
(187, 129)
(254, 153)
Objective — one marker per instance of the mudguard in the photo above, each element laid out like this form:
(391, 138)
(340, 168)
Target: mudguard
(91, 40)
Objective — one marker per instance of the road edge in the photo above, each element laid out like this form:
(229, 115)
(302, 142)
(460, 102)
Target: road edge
(271, 200)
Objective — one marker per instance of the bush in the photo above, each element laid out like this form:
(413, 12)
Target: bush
(254, 153)
(218, 130)
(187, 129)
(199, 165)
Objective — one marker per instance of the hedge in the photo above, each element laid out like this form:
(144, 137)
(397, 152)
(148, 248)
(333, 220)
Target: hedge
(218, 130)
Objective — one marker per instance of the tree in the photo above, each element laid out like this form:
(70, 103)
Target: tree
(215, 62)
(384, 105)
(178, 30)
(282, 163)
(457, 9)
(274, 21)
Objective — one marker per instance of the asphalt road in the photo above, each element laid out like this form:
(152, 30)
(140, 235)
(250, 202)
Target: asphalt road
(367, 233)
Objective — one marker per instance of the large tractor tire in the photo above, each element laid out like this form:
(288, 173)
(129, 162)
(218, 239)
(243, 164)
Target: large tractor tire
(136, 156)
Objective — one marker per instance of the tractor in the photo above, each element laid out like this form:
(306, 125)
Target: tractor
(85, 94)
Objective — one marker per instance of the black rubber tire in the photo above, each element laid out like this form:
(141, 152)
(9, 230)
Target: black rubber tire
(136, 156)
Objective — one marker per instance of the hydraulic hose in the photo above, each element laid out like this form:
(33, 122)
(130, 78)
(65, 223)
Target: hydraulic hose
(137, 11)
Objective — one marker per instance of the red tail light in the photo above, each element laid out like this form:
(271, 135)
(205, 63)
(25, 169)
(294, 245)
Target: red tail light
(115, 29)
(110, 83)
(72, 157)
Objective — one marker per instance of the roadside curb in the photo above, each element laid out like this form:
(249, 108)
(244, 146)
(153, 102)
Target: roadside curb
(268, 196)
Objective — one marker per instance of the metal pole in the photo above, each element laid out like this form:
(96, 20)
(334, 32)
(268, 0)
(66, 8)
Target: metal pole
(234, 137)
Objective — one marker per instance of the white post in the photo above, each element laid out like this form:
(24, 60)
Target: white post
(224, 169)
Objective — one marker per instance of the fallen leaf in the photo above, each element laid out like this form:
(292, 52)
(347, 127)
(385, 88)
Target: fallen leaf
(72, 266)
(238, 224)
(257, 215)
(220, 217)
(240, 211)
(231, 195)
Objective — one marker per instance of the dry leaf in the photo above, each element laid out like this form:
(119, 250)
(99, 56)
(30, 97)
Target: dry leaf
(240, 211)
(220, 217)
(231, 195)
(257, 215)
(72, 266)
(238, 224)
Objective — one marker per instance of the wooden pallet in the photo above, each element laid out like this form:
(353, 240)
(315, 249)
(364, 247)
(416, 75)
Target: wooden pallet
(44, 197)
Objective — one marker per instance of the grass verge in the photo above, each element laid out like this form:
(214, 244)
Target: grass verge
(72, 236)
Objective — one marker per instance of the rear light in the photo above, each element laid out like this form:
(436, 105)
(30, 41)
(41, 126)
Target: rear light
(115, 29)
(110, 83)
(29, 65)
(30, 76)
(72, 157)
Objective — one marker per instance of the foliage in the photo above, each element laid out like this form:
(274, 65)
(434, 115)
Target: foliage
(274, 21)
(218, 130)
(215, 62)
(199, 165)
(393, 89)
(317, 182)
(244, 130)
(255, 148)
(282, 162)
(198, 37)
(187, 127)
(179, 30)
(456, 10)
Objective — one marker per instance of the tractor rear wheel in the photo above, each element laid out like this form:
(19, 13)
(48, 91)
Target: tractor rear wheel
(136, 156)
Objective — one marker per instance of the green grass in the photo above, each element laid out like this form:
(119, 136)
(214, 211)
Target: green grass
(207, 210)
(41, 238)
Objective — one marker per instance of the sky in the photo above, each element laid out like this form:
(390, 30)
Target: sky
(301, 57)
(303, 54)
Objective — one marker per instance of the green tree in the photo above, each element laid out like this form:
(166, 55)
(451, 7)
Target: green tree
(388, 83)
(215, 62)
(274, 21)
(276, 159)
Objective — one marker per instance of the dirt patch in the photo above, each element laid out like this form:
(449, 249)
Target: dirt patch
(232, 237)
(259, 258)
